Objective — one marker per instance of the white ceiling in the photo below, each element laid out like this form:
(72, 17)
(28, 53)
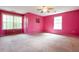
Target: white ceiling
(33, 9)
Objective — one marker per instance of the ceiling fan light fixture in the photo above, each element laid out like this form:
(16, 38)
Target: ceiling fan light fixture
(45, 9)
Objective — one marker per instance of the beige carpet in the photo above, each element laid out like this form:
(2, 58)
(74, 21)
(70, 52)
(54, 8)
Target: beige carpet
(43, 42)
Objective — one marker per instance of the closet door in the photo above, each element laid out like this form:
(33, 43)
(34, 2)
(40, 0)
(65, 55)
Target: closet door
(25, 24)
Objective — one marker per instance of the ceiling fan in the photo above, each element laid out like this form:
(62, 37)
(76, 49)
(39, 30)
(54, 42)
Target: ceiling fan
(45, 9)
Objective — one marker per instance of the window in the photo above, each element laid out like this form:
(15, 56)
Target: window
(58, 23)
(17, 22)
(12, 22)
(9, 21)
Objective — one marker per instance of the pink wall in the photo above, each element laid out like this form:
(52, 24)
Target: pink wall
(70, 23)
(33, 26)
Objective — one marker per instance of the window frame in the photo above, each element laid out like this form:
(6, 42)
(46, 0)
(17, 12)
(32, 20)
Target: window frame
(58, 24)
(12, 22)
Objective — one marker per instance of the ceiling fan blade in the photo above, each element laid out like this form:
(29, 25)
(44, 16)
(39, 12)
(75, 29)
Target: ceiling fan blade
(50, 8)
(48, 11)
(39, 9)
